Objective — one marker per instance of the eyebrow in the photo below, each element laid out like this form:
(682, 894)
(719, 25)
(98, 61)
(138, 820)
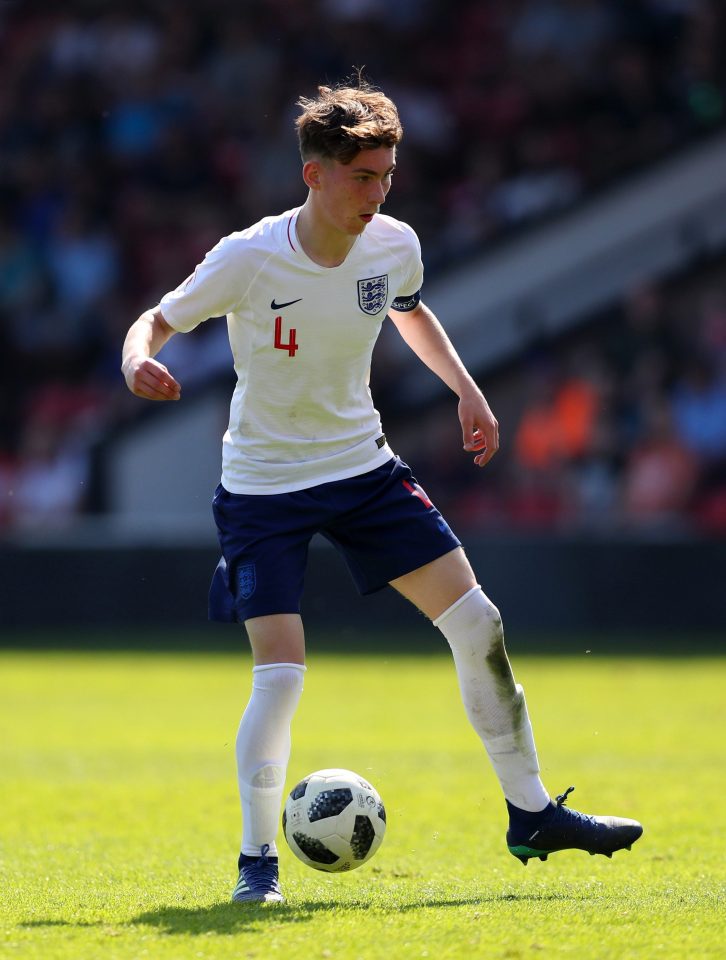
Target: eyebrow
(373, 173)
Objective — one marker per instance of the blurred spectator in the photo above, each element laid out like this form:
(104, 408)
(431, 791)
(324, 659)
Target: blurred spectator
(22, 277)
(592, 485)
(645, 352)
(49, 482)
(49, 485)
(558, 453)
(539, 444)
(660, 473)
(560, 422)
(539, 184)
(699, 414)
(575, 31)
(83, 263)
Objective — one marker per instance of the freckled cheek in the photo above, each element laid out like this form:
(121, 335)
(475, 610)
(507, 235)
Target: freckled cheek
(346, 199)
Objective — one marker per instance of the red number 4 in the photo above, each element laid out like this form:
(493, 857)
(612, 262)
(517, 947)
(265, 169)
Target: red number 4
(291, 345)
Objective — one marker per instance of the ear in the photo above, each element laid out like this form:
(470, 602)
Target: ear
(311, 174)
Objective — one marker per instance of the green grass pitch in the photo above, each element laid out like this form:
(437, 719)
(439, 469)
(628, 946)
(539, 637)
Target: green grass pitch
(119, 824)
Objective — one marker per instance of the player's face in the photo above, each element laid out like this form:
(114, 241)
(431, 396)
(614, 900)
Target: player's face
(351, 194)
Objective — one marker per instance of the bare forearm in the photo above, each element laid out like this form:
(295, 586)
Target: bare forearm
(427, 338)
(146, 377)
(145, 337)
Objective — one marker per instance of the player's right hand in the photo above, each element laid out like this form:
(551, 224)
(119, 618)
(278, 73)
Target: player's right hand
(147, 378)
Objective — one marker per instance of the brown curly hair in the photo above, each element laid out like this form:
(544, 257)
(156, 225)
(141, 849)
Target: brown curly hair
(343, 120)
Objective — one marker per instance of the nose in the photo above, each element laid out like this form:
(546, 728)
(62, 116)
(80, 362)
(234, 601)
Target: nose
(378, 194)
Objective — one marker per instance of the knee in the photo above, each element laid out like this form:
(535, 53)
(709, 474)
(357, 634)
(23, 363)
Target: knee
(495, 619)
(473, 616)
(491, 621)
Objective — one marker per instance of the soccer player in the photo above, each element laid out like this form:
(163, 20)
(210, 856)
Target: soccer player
(305, 293)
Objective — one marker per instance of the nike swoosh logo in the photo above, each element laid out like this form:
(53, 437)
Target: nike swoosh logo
(279, 306)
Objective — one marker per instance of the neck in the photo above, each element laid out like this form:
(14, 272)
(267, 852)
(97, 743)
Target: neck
(324, 244)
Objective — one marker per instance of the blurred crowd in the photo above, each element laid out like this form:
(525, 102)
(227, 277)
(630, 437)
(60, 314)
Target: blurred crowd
(135, 133)
(619, 428)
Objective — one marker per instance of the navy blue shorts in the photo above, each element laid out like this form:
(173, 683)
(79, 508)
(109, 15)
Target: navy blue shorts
(382, 523)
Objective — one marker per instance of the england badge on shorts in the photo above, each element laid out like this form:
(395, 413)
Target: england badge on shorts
(246, 580)
(372, 294)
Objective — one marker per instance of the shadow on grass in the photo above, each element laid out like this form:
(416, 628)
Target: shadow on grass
(229, 918)
(221, 917)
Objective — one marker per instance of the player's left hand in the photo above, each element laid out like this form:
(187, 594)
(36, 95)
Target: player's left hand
(479, 426)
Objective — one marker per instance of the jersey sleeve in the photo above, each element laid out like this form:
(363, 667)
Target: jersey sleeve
(217, 285)
(409, 292)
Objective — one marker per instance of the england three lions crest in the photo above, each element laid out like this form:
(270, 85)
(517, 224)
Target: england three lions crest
(246, 580)
(372, 294)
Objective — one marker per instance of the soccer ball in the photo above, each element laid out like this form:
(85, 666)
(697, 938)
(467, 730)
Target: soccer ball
(334, 820)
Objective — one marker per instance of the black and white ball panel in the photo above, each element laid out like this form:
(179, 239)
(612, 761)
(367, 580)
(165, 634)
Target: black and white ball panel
(334, 820)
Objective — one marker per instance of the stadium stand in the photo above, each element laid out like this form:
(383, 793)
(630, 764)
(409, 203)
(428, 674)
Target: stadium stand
(134, 134)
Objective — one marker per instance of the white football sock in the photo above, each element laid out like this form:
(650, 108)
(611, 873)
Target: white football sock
(494, 703)
(263, 750)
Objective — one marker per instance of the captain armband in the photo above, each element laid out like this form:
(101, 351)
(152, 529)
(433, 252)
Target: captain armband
(404, 304)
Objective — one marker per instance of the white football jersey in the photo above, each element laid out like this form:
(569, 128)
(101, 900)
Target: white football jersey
(302, 336)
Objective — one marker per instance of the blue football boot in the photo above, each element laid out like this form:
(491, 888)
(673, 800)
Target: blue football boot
(258, 879)
(557, 827)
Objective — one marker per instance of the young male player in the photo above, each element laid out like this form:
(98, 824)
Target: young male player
(305, 294)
